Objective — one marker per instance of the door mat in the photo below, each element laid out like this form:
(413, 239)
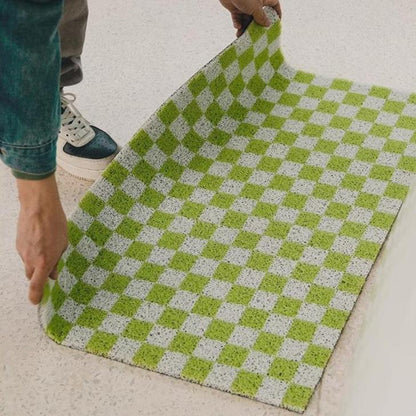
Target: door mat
(228, 241)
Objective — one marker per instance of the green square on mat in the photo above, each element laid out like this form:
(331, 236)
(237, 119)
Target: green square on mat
(233, 355)
(247, 383)
(82, 292)
(305, 272)
(200, 164)
(126, 306)
(228, 272)
(273, 283)
(170, 169)
(222, 200)
(291, 250)
(139, 251)
(352, 229)
(308, 219)
(184, 343)
(353, 98)
(297, 396)
(324, 191)
(58, 328)
(74, 233)
(148, 356)
(219, 330)
(192, 113)
(168, 112)
(367, 250)
(338, 210)
(246, 240)
(77, 264)
(106, 259)
(335, 318)
(206, 306)
(160, 220)
(128, 228)
(172, 318)
(396, 191)
(268, 343)
(192, 209)
(144, 172)
(140, 143)
(121, 202)
(214, 250)
(302, 330)
(91, 204)
(316, 355)
(253, 318)
(167, 142)
(149, 271)
(322, 239)
(353, 182)
(192, 141)
(203, 230)
(293, 200)
(182, 261)
(160, 294)
(260, 261)
(101, 343)
(151, 198)
(240, 173)
(91, 317)
(116, 173)
(194, 283)
(240, 294)
(325, 146)
(287, 306)
(229, 156)
(283, 369)
(57, 296)
(320, 295)
(337, 261)
(312, 173)
(197, 84)
(171, 240)
(115, 283)
(196, 369)
(383, 173)
(352, 284)
(137, 330)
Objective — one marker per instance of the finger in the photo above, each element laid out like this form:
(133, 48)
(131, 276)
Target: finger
(54, 273)
(276, 6)
(236, 18)
(259, 15)
(29, 271)
(246, 20)
(37, 283)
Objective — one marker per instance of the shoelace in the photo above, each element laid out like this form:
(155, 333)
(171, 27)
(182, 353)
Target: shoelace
(75, 128)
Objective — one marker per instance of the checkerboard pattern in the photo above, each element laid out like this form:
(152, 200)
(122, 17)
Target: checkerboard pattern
(229, 240)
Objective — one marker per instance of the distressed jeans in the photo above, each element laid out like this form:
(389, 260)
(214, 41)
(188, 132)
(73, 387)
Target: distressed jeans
(41, 43)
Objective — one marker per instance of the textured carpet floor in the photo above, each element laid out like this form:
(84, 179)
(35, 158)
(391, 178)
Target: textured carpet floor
(229, 240)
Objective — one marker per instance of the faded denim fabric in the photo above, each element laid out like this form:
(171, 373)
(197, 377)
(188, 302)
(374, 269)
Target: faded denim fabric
(30, 63)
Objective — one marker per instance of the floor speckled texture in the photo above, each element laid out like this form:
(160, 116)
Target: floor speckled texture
(133, 62)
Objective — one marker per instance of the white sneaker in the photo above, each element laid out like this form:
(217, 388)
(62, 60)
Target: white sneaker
(82, 150)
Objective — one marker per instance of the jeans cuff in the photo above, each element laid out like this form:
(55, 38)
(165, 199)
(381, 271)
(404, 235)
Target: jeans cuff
(35, 160)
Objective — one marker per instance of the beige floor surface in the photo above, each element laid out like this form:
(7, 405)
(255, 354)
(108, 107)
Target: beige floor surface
(136, 55)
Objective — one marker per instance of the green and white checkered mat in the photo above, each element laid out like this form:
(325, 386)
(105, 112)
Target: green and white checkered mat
(229, 240)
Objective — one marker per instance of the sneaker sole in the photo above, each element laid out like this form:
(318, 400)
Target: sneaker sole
(89, 169)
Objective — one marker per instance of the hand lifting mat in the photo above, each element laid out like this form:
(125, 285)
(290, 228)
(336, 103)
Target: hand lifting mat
(228, 241)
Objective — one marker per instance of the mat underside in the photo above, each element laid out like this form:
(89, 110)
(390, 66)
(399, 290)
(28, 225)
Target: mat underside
(229, 240)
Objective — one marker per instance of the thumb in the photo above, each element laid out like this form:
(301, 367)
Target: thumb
(260, 17)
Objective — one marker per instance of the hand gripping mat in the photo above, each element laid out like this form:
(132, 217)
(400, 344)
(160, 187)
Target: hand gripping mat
(228, 241)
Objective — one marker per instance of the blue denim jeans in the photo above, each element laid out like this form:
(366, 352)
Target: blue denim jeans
(33, 67)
